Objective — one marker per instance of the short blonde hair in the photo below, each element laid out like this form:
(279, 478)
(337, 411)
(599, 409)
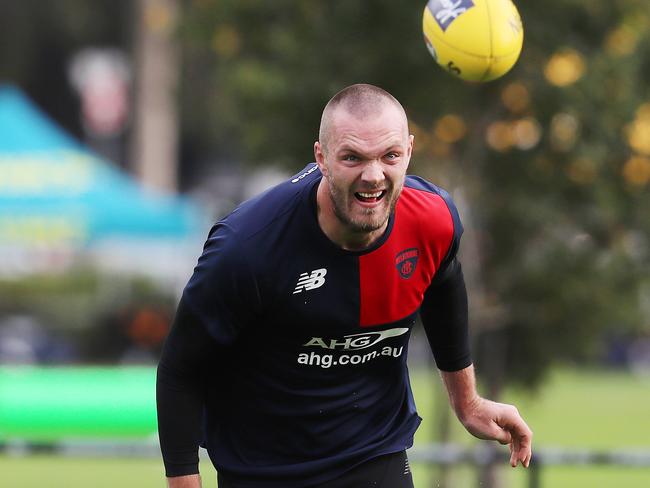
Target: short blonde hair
(362, 100)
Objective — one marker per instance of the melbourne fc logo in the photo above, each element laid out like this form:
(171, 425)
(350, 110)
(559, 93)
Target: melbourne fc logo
(406, 261)
(446, 11)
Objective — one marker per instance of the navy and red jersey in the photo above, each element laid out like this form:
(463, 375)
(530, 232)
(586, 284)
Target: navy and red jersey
(287, 359)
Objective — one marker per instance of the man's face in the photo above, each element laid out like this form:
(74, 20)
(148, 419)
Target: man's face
(365, 164)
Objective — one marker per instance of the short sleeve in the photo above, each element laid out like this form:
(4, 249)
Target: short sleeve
(222, 293)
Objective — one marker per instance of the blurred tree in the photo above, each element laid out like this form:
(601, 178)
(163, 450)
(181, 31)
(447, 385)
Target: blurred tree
(104, 318)
(154, 154)
(553, 158)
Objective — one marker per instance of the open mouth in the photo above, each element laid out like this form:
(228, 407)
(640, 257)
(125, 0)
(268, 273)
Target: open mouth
(370, 197)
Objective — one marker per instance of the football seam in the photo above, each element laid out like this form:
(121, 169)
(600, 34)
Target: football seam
(491, 59)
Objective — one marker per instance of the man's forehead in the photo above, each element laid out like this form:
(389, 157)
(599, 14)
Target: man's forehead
(358, 143)
(384, 123)
(383, 108)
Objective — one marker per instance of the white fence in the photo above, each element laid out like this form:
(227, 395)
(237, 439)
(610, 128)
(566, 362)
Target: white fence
(491, 454)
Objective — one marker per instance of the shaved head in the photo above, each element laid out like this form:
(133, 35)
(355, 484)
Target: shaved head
(362, 101)
(363, 152)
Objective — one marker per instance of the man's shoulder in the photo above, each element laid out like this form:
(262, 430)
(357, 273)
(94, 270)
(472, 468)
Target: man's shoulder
(423, 198)
(273, 206)
(418, 183)
(424, 190)
(242, 241)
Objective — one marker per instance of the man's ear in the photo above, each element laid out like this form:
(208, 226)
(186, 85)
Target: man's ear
(410, 149)
(320, 157)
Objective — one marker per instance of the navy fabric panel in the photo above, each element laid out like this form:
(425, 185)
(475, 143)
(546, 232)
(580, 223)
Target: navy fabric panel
(222, 292)
(445, 320)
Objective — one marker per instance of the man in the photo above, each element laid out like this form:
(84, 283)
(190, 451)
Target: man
(287, 359)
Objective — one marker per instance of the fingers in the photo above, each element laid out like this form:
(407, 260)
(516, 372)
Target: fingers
(520, 457)
(524, 445)
(501, 435)
(526, 452)
(502, 423)
(521, 446)
(521, 435)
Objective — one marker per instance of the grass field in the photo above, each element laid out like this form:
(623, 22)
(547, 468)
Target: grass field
(589, 409)
(574, 409)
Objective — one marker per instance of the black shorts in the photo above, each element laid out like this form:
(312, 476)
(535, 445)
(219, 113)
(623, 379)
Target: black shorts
(387, 471)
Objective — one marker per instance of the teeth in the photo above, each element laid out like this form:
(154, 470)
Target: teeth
(370, 195)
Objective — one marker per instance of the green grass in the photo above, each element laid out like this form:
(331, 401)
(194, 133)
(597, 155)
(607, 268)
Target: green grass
(597, 409)
(590, 409)
(574, 409)
(64, 472)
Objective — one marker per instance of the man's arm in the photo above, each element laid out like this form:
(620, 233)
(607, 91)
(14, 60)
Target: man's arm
(190, 481)
(444, 316)
(486, 419)
(180, 394)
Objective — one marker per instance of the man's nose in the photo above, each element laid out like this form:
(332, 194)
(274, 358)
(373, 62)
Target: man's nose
(373, 173)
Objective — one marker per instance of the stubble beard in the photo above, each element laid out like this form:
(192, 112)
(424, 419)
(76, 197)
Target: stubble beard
(376, 217)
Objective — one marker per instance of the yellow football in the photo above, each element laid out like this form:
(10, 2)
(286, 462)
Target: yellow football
(476, 40)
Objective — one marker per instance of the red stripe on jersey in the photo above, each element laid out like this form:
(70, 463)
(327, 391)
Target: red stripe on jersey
(394, 277)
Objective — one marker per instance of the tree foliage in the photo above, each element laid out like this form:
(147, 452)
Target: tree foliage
(553, 157)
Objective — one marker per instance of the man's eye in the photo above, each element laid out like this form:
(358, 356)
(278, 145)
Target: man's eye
(350, 157)
(392, 156)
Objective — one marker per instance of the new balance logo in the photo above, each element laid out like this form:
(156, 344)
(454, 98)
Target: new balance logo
(309, 281)
(305, 174)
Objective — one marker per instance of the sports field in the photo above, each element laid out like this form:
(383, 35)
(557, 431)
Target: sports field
(574, 409)
(590, 409)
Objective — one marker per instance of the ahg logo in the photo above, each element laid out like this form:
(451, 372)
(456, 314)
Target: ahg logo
(356, 341)
(309, 281)
(446, 11)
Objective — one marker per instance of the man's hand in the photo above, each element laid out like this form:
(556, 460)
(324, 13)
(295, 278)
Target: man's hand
(189, 481)
(500, 422)
(486, 419)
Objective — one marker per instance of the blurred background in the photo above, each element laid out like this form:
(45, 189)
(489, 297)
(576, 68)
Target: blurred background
(128, 127)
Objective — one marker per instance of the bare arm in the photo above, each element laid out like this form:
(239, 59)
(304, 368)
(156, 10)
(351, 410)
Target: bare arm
(486, 419)
(190, 481)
